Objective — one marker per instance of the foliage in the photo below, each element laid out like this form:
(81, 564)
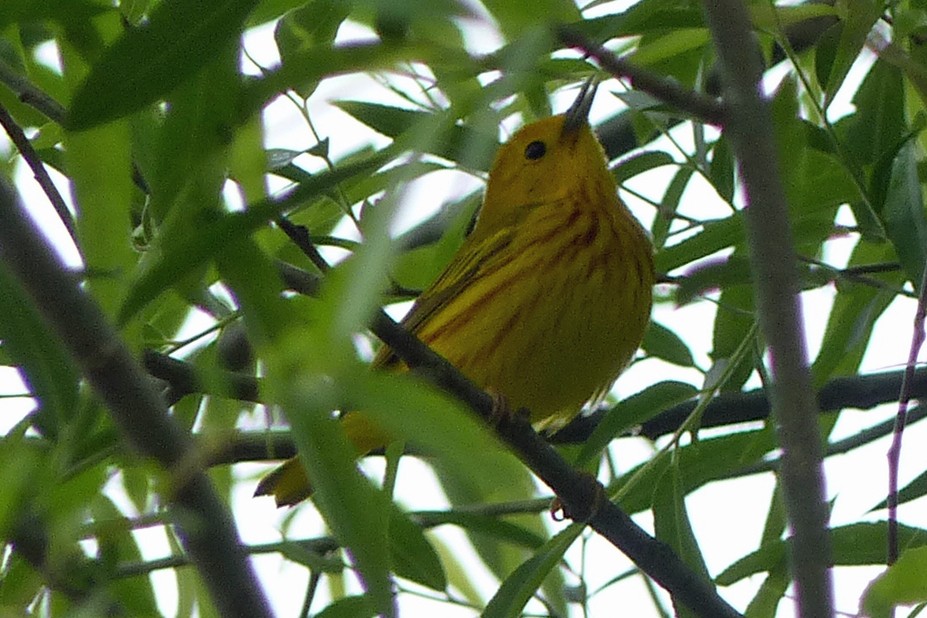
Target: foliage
(162, 127)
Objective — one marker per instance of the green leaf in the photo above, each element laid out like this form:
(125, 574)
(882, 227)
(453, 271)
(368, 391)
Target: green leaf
(509, 601)
(631, 412)
(485, 525)
(716, 234)
(713, 274)
(663, 343)
(313, 24)
(99, 163)
(435, 133)
(44, 363)
(734, 322)
(904, 216)
(26, 11)
(705, 460)
(858, 21)
(191, 248)
(21, 464)
(879, 122)
(913, 490)
(640, 163)
(672, 526)
(322, 61)
(349, 607)
(852, 317)
(147, 62)
(412, 556)
(514, 17)
(420, 414)
(518, 530)
(852, 545)
(902, 583)
(773, 590)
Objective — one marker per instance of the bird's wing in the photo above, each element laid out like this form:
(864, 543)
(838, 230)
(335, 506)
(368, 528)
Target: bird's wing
(474, 258)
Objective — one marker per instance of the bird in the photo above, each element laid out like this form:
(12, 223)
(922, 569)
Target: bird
(546, 301)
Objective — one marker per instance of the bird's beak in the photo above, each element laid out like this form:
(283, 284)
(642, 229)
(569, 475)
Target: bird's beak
(578, 114)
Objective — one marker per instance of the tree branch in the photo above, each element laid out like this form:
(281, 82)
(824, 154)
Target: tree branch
(30, 94)
(203, 523)
(748, 127)
(702, 107)
(30, 156)
(858, 392)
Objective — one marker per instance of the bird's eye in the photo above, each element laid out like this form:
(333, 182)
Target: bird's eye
(535, 150)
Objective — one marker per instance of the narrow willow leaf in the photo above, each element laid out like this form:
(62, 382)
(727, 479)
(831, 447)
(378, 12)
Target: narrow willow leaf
(509, 601)
(149, 61)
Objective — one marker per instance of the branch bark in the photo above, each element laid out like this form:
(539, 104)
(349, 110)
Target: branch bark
(772, 256)
(203, 523)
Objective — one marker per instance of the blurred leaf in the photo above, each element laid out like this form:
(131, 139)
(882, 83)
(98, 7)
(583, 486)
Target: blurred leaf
(433, 421)
(136, 594)
(435, 133)
(486, 525)
(657, 51)
(417, 268)
(43, 362)
(301, 384)
(313, 24)
(38, 10)
(192, 247)
(771, 592)
(901, 584)
(99, 163)
(514, 17)
(670, 202)
(511, 597)
(644, 17)
(412, 555)
(519, 531)
(147, 62)
(312, 65)
(20, 462)
(734, 322)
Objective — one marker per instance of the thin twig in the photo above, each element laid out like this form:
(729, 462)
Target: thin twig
(31, 95)
(864, 437)
(704, 108)
(904, 397)
(749, 129)
(31, 157)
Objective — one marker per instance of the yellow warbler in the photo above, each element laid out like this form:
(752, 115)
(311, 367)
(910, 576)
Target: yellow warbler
(547, 299)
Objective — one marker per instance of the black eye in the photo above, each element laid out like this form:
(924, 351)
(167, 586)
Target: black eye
(535, 150)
